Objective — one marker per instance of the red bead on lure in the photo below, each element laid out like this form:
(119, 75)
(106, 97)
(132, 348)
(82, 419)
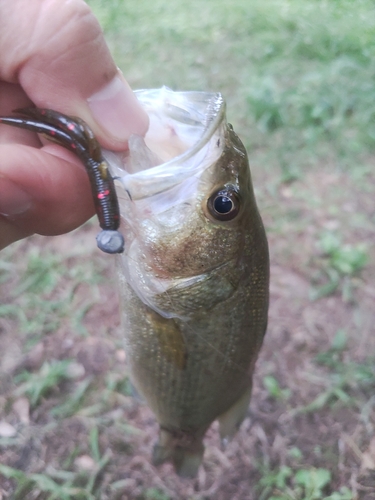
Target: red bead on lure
(75, 135)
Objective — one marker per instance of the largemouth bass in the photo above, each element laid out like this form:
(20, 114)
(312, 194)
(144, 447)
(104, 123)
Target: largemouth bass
(195, 271)
(194, 275)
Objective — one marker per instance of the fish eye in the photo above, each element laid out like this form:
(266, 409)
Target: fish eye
(224, 204)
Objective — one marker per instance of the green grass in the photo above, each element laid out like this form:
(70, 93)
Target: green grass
(339, 264)
(345, 381)
(36, 385)
(303, 484)
(43, 299)
(298, 76)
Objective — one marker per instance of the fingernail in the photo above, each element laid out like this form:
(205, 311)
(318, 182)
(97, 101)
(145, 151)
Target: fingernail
(13, 199)
(116, 108)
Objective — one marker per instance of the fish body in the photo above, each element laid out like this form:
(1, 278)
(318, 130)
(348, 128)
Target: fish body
(194, 275)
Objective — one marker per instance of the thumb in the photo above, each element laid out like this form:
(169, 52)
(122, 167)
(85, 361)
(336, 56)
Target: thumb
(56, 51)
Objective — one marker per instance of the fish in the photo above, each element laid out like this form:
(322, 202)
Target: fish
(191, 256)
(194, 275)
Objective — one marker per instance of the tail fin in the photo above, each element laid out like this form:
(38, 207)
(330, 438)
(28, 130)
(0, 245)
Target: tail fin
(184, 450)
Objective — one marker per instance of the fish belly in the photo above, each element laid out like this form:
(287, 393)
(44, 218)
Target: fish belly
(194, 371)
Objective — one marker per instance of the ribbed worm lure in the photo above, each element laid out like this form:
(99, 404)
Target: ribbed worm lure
(74, 134)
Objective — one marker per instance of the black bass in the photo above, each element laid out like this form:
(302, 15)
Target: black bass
(195, 271)
(194, 275)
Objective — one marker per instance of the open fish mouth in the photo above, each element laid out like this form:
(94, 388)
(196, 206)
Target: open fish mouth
(181, 142)
(162, 181)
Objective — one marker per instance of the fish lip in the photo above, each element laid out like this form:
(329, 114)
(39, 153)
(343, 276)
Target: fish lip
(215, 113)
(206, 112)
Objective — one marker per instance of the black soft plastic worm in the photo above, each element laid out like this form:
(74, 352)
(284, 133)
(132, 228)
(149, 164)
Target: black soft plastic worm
(75, 135)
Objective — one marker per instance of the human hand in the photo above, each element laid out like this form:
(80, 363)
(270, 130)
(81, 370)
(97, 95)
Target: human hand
(53, 55)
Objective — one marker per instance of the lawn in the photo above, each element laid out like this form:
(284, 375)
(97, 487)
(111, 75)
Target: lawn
(299, 80)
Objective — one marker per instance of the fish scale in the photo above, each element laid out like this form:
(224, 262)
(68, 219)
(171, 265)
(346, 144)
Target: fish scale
(194, 287)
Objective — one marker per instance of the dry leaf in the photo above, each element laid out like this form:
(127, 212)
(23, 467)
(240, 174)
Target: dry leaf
(7, 430)
(22, 408)
(368, 457)
(85, 462)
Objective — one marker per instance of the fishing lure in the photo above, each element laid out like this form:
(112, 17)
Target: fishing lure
(74, 134)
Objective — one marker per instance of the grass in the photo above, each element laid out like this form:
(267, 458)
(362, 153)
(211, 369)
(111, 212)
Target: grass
(344, 380)
(339, 263)
(298, 78)
(303, 87)
(304, 484)
(38, 384)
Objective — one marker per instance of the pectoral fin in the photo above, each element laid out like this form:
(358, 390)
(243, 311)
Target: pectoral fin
(171, 341)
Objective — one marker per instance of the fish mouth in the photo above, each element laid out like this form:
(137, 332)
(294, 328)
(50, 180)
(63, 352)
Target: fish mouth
(183, 139)
(194, 115)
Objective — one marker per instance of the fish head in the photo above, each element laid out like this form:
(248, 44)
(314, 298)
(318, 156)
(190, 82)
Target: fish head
(187, 204)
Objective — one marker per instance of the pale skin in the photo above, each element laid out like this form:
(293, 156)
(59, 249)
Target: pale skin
(53, 55)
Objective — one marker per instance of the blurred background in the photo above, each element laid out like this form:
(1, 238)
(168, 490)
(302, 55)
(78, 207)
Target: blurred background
(299, 80)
